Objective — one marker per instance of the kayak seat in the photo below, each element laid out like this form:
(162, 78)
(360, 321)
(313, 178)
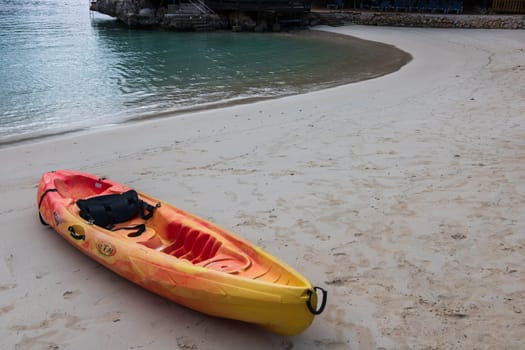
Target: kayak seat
(190, 244)
(108, 210)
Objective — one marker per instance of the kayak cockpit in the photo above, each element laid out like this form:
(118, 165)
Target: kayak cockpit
(196, 245)
(79, 187)
(174, 232)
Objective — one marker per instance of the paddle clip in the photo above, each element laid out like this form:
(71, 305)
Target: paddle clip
(311, 293)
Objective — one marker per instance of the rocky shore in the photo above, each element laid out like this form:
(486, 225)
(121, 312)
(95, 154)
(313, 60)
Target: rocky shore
(410, 19)
(190, 16)
(143, 13)
(195, 16)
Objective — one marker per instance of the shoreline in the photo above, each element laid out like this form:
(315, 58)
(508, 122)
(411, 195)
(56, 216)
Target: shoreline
(301, 86)
(402, 195)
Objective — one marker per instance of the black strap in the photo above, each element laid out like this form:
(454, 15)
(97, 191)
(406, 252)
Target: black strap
(146, 210)
(144, 207)
(139, 227)
(42, 221)
(44, 194)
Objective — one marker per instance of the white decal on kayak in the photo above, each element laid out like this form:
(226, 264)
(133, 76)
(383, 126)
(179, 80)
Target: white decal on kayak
(57, 218)
(106, 248)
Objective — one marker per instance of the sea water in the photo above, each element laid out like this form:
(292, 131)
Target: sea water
(63, 68)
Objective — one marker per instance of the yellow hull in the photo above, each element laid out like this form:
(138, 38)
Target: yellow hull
(183, 258)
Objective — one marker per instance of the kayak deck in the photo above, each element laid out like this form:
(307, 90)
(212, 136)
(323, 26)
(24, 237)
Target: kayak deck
(182, 235)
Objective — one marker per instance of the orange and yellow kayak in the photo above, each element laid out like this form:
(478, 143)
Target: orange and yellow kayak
(176, 254)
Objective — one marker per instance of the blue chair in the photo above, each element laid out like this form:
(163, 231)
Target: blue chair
(385, 5)
(381, 5)
(413, 5)
(335, 4)
(421, 5)
(455, 5)
(401, 5)
(433, 5)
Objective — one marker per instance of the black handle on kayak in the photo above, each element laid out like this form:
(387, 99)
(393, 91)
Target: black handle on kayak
(40, 204)
(75, 235)
(42, 221)
(323, 300)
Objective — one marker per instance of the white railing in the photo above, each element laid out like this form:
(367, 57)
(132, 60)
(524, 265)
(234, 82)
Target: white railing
(202, 7)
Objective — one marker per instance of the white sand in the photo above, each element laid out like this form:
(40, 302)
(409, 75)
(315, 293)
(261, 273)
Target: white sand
(404, 196)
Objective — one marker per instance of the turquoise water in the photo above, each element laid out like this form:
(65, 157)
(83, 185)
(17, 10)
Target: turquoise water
(64, 68)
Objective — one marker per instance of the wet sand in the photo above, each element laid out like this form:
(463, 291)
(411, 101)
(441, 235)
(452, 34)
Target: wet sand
(404, 196)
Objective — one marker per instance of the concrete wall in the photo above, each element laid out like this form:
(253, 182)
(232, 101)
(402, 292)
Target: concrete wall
(404, 19)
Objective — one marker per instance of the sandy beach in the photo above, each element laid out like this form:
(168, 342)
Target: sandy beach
(403, 196)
